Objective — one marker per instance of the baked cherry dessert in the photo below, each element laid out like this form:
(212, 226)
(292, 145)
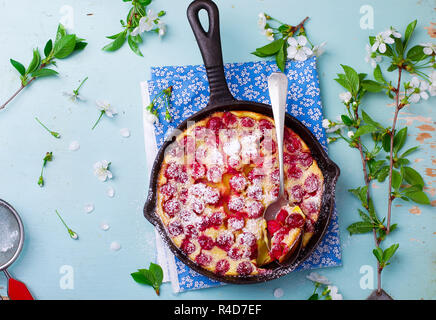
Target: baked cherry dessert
(215, 182)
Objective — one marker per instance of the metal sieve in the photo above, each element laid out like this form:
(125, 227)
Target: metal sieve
(11, 243)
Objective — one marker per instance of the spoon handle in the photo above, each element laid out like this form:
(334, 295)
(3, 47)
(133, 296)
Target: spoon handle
(278, 91)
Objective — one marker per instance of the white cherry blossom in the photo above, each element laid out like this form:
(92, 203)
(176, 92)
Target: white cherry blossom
(392, 31)
(145, 23)
(334, 293)
(319, 49)
(269, 34)
(381, 40)
(105, 106)
(429, 48)
(315, 277)
(345, 97)
(432, 88)
(350, 134)
(297, 48)
(261, 21)
(372, 57)
(101, 170)
(417, 89)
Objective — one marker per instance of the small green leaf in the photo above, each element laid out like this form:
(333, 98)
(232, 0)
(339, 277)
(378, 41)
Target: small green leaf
(271, 48)
(113, 37)
(364, 216)
(134, 46)
(378, 74)
(392, 67)
(36, 61)
(360, 227)
(48, 48)
(346, 120)
(61, 32)
(418, 197)
(80, 45)
(409, 30)
(18, 66)
(378, 253)
(141, 278)
(314, 296)
(365, 129)
(389, 252)
(65, 46)
(370, 121)
(117, 43)
(416, 53)
(396, 179)
(281, 59)
(372, 86)
(344, 83)
(157, 272)
(43, 73)
(352, 78)
(383, 173)
(409, 151)
(413, 177)
(386, 142)
(400, 139)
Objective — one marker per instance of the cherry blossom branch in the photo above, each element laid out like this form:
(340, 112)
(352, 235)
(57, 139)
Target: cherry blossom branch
(391, 156)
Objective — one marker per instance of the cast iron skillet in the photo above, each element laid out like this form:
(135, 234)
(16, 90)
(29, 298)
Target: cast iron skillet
(222, 100)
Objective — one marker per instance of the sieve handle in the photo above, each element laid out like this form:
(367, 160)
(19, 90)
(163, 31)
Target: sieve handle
(16, 289)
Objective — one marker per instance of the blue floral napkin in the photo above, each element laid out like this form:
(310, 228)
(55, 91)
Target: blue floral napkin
(247, 81)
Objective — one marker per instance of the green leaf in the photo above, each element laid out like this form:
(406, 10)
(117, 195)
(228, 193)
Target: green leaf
(399, 47)
(80, 45)
(409, 30)
(141, 278)
(314, 296)
(400, 139)
(152, 277)
(383, 173)
(360, 227)
(48, 48)
(386, 142)
(157, 272)
(64, 46)
(418, 197)
(281, 58)
(416, 53)
(346, 120)
(61, 32)
(378, 253)
(396, 179)
(367, 119)
(364, 216)
(36, 61)
(344, 83)
(271, 48)
(378, 74)
(134, 46)
(392, 67)
(352, 78)
(117, 43)
(18, 66)
(409, 151)
(372, 86)
(413, 177)
(113, 37)
(389, 252)
(365, 129)
(360, 193)
(43, 73)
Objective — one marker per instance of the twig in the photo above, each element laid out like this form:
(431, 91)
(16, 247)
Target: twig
(368, 196)
(391, 158)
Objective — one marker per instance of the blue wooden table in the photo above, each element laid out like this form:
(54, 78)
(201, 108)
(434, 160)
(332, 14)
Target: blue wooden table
(101, 273)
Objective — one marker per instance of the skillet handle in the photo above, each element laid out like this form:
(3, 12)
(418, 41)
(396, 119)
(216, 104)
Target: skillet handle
(210, 47)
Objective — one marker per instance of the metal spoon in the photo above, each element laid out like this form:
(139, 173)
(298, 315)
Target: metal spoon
(278, 88)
